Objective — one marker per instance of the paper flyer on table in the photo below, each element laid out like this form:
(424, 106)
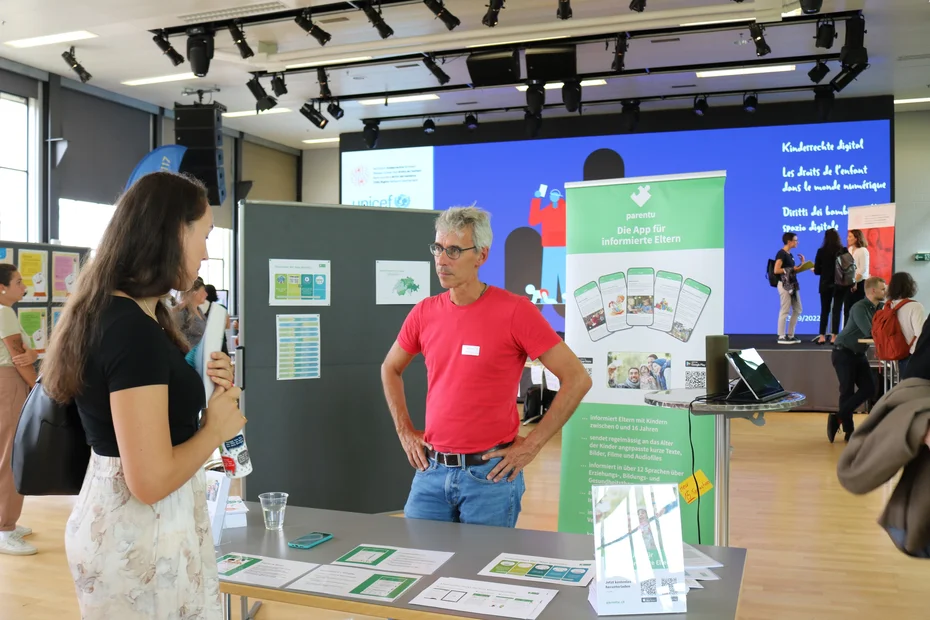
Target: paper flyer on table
(696, 559)
(701, 574)
(255, 570)
(483, 597)
(540, 570)
(355, 583)
(395, 559)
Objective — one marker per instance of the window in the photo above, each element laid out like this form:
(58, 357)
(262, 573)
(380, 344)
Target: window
(218, 269)
(82, 224)
(14, 169)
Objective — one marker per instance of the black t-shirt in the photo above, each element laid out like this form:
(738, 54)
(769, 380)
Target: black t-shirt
(787, 259)
(133, 351)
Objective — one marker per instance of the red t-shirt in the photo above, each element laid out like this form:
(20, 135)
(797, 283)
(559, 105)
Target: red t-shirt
(475, 355)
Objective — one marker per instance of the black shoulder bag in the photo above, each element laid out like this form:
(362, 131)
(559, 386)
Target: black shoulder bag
(50, 451)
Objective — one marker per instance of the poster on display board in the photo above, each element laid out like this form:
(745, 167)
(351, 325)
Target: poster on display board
(33, 266)
(7, 256)
(877, 225)
(645, 275)
(65, 266)
(34, 323)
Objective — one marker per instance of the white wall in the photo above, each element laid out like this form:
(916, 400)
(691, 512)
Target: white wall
(321, 176)
(912, 195)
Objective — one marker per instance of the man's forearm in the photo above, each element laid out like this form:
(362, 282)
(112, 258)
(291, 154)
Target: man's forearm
(393, 384)
(563, 407)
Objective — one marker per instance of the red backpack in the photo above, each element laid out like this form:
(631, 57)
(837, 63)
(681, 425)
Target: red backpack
(890, 343)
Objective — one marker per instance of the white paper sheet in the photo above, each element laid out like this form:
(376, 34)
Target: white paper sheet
(355, 583)
(298, 346)
(293, 282)
(540, 570)
(255, 570)
(483, 597)
(694, 584)
(395, 559)
(401, 282)
(701, 574)
(696, 559)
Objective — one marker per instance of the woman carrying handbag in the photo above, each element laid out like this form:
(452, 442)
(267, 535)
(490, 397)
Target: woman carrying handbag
(139, 541)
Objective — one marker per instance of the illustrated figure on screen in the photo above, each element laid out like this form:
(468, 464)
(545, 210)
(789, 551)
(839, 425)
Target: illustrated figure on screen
(538, 296)
(551, 217)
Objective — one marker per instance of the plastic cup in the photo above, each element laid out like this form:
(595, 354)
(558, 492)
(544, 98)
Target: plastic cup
(273, 506)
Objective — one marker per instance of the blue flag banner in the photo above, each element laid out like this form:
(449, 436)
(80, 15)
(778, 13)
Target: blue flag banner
(166, 157)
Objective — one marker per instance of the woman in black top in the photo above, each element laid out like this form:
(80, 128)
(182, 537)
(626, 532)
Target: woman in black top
(138, 540)
(830, 293)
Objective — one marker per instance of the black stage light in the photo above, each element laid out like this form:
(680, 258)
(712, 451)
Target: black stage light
(750, 103)
(471, 121)
(535, 98)
(819, 72)
(571, 95)
(167, 49)
(623, 44)
(374, 16)
(303, 20)
(313, 115)
(76, 66)
(846, 76)
(429, 126)
(756, 32)
(826, 32)
(564, 10)
(370, 134)
(438, 73)
(854, 51)
(199, 50)
(638, 5)
(490, 18)
(238, 38)
(811, 7)
(278, 86)
(700, 106)
(263, 101)
(323, 79)
(439, 10)
(335, 110)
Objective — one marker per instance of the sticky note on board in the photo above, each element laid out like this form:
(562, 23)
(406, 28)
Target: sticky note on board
(687, 489)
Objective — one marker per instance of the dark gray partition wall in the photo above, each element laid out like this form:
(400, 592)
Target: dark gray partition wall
(328, 442)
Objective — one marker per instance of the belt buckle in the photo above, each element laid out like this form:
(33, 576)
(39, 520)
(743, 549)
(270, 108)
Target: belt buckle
(445, 459)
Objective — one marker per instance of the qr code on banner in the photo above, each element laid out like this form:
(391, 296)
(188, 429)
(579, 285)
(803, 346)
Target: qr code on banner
(695, 375)
(648, 589)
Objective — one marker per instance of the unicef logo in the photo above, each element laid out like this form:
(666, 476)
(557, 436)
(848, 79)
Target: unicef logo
(403, 200)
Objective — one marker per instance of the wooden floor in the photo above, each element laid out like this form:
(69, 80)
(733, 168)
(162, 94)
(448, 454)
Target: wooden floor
(815, 551)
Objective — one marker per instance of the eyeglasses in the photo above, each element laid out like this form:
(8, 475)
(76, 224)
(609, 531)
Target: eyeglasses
(453, 251)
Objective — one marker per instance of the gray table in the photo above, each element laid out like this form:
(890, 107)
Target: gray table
(683, 398)
(474, 547)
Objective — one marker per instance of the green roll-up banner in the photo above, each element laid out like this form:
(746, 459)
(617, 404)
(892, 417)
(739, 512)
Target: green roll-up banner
(645, 270)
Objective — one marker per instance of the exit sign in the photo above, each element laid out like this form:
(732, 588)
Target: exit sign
(922, 257)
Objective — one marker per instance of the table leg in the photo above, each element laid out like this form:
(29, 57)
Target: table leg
(722, 475)
(227, 606)
(248, 614)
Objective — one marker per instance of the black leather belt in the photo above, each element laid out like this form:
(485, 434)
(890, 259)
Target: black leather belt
(451, 459)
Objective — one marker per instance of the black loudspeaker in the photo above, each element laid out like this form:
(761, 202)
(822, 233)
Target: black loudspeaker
(494, 68)
(200, 128)
(551, 64)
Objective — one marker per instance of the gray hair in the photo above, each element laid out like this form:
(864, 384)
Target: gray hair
(459, 219)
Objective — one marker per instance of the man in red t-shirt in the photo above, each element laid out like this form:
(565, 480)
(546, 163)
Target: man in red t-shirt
(475, 339)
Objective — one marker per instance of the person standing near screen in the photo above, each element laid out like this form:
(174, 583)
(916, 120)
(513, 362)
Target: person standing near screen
(789, 293)
(475, 339)
(850, 362)
(858, 247)
(831, 295)
(910, 313)
(552, 220)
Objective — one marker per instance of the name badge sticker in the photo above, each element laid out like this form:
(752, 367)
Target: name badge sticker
(471, 349)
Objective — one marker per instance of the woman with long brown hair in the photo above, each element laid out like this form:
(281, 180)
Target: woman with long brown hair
(138, 540)
(858, 247)
(17, 377)
(831, 295)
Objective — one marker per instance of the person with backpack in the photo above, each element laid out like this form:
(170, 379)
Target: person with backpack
(788, 288)
(834, 264)
(850, 362)
(896, 327)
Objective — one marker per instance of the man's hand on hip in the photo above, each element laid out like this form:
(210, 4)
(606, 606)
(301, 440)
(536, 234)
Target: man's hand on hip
(516, 456)
(414, 444)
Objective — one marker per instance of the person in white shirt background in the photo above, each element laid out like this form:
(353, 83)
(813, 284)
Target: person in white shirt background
(857, 244)
(911, 315)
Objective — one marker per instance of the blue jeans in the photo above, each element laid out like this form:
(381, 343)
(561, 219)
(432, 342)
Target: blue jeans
(464, 495)
(553, 272)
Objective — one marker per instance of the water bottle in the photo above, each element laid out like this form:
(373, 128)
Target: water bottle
(235, 455)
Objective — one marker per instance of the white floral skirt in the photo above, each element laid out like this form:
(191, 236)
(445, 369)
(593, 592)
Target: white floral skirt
(132, 561)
